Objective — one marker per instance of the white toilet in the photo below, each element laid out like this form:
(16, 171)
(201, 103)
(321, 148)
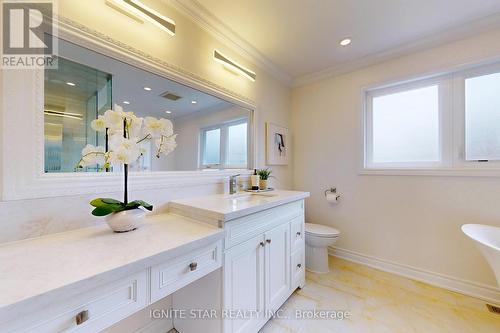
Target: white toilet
(318, 238)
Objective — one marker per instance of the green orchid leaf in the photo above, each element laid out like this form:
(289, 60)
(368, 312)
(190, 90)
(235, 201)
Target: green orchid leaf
(106, 206)
(139, 203)
(111, 201)
(132, 205)
(145, 204)
(99, 202)
(102, 211)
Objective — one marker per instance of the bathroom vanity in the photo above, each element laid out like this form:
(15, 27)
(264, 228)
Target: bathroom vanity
(263, 253)
(89, 279)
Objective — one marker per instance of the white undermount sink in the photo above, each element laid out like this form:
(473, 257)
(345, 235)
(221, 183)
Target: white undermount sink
(488, 240)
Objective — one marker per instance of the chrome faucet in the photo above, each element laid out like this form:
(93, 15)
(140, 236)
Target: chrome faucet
(233, 184)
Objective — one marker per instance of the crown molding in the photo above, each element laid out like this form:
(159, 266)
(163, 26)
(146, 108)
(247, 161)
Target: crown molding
(206, 20)
(448, 36)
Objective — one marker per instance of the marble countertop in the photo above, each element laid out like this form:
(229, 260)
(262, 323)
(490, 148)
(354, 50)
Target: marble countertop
(226, 207)
(62, 263)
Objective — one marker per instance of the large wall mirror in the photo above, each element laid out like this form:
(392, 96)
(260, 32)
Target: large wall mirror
(211, 133)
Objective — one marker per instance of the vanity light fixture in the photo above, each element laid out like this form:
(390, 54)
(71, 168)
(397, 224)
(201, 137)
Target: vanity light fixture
(126, 102)
(71, 84)
(63, 114)
(345, 42)
(233, 65)
(138, 9)
(147, 89)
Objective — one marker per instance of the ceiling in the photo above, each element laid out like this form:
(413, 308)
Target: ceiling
(302, 37)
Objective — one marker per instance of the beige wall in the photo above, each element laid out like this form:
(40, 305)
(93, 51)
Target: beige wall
(411, 220)
(191, 49)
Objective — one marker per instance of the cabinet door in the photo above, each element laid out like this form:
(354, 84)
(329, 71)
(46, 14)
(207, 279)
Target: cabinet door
(244, 286)
(297, 235)
(277, 260)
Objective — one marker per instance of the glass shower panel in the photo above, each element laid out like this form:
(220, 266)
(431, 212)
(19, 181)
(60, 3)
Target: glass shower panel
(75, 95)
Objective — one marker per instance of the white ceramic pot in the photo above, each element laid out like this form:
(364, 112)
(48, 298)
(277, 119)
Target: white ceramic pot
(263, 184)
(126, 220)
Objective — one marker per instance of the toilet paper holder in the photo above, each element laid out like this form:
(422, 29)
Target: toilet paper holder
(332, 196)
(331, 190)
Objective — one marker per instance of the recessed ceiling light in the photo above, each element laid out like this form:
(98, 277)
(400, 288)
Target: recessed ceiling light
(71, 84)
(147, 89)
(345, 42)
(194, 102)
(126, 102)
(168, 112)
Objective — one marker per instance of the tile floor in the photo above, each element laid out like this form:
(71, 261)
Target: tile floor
(381, 302)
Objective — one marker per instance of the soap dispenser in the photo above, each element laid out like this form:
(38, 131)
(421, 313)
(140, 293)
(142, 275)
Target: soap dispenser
(254, 179)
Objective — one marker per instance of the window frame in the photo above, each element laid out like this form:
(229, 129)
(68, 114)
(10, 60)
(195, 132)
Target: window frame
(452, 127)
(443, 115)
(459, 78)
(203, 134)
(224, 126)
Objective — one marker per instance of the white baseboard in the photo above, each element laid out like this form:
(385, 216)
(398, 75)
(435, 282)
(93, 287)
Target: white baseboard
(157, 326)
(469, 288)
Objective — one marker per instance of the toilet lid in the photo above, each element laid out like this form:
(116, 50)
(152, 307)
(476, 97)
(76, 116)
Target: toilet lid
(321, 230)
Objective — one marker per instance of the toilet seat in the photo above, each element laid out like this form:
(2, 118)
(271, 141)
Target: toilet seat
(319, 230)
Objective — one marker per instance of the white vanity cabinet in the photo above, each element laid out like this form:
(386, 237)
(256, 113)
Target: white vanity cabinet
(244, 282)
(264, 267)
(91, 311)
(277, 262)
(86, 280)
(257, 277)
(169, 276)
(263, 258)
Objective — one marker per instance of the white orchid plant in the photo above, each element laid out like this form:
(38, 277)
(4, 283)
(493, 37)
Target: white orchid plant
(125, 133)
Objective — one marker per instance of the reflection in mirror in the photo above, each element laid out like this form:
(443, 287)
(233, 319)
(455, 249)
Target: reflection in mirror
(211, 132)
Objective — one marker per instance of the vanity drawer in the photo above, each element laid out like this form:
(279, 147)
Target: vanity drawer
(297, 233)
(93, 311)
(298, 268)
(172, 275)
(245, 228)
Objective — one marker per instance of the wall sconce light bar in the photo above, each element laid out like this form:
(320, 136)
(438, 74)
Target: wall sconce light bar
(63, 114)
(139, 9)
(219, 57)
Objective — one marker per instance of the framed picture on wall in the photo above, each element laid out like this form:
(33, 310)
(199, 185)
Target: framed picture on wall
(277, 144)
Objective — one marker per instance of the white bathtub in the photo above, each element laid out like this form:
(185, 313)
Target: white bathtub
(488, 240)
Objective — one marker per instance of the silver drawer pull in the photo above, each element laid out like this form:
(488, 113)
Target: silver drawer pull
(299, 233)
(268, 241)
(262, 244)
(299, 265)
(82, 317)
(193, 266)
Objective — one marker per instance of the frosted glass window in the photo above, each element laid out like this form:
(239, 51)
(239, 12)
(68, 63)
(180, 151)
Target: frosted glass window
(212, 147)
(406, 126)
(237, 145)
(482, 117)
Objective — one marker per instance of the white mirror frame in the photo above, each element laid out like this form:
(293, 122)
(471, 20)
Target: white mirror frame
(22, 128)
